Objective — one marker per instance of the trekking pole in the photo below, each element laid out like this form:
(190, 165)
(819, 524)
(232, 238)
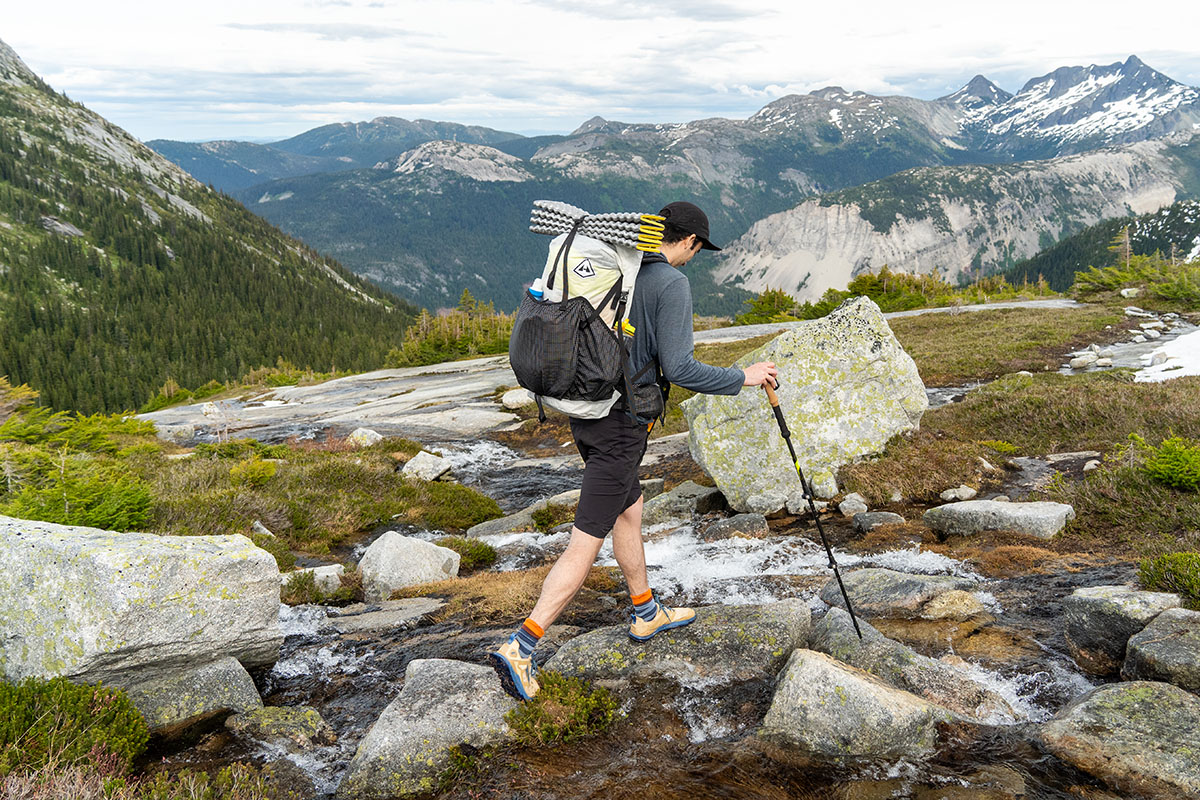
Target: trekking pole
(773, 399)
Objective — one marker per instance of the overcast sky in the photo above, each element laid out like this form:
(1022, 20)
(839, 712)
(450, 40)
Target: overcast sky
(269, 69)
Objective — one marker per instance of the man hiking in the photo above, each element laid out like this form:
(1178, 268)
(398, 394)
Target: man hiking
(612, 447)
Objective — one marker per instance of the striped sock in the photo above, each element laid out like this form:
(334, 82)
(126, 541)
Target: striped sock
(527, 637)
(644, 605)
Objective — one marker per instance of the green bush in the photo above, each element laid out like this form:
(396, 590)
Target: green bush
(56, 721)
(566, 709)
(1176, 462)
(475, 553)
(241, 449)
(253, 472)
(1002, 447)
(1173, 572)
(92, 433)
(82, 492)
(552, 515)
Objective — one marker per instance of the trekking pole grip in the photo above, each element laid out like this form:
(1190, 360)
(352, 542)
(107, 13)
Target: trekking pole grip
(772, 398)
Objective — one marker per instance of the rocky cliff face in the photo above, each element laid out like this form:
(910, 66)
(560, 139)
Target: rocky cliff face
(952, 221)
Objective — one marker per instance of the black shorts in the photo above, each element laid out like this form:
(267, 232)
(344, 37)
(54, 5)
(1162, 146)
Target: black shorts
(612, 448)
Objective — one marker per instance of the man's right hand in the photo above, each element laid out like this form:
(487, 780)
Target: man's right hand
(760, 373)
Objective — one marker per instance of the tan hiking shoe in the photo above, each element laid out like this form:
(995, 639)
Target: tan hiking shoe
(516, 673)
(641, 630)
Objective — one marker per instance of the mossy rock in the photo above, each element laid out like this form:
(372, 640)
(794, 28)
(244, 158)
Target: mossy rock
(297, 728)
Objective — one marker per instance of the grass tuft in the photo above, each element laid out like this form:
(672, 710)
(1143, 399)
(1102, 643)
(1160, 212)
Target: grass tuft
(565, 710)
(503, 598)
(474, 553)
(1173, 572)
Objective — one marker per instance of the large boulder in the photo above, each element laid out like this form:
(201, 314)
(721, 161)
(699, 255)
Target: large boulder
(725, 644)
(173, 702)
(425, 466)
(846, 387)
(120, 608)
(888, 594)
(904, 668)
(444, 704)
(1042, 519)
(825, 708)
(394, 561)
(682, 503)
(1167, 649)
(1098, 621)
(1140, 738)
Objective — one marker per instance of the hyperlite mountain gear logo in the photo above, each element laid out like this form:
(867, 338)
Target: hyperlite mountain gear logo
(584, 268)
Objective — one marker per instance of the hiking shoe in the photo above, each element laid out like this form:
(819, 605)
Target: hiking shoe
(641, 629)
(516, 673)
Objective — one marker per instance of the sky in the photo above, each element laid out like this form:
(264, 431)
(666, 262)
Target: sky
(263, 70)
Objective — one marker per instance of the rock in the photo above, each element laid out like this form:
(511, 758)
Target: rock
(682, 502)
(394, 561)
(55, 225)
(364, 437)
(1134, 311)
(1155, 325)
(297, 729)
(1151, 334)
(328, 578)
(726, 644)
(523, 519)
(1107, 352)
(1091, 465)
(387, 615)
(516, 399)
(1104, 362)
(1098, 621)
(846, 388)
(261, 529)
(426, 466)
(903, 668)
(744, 526)
(956, 605)
(1139, 339)
(1130, 292)
(872, 519)
(652, 488)
(797, 503)
(1001, 498)
(1084, 361)
(173, 702)
(443, 704)
(827, 709)
(895, 497)
(985, 465)
(1139, 738)
(1041, 519)
(1158, 357)
(95, 605)
(854, 503)
(1167, 649)
(962, 492)
(890, 594)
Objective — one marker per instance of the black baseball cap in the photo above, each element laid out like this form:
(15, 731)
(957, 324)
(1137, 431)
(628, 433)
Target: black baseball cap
(688, 218)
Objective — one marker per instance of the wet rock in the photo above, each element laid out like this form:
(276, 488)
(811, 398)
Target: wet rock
(854, 503)
(846, 387)
(1104, 362)
(1040, 519)
(1098, 621)
(903, 668)
(1139, 339)
(95, 605)
(725, 644)
(652, 488)
(1167, 649)
(953, 605)
(297, 729)
(682, 502)
(364, 437)
(962, 492)
(426, 466)
(516, 399)
(388, 615)
(1084, 361)
(825, 708)
(744, 526)
(444, 704)
(174, 702)
(394, 561)
(1140, 737)
(523, 519)
(328, 578)
(887, 593)
(869, 520)
(1151, 333)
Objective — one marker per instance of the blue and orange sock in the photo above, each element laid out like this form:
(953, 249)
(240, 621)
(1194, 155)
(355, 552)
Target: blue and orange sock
(528, 636)
(644, 605)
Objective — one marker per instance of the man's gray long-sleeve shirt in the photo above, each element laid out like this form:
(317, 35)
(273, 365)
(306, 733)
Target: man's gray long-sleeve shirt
(662, 316)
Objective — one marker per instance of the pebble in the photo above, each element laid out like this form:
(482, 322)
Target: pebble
(1091, 465)
(1130, 292)
(1155, 325)
(963, 492)
(1104, 362)
(854, 503)
(1151, 333)
(1159, 357)
(1139, 339)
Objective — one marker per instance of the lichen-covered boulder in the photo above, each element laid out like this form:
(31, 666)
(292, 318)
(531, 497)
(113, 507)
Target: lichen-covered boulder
(444, 704)
(394, 561)
(1141, 737)
(175, 701)
(1167, 649)
(740, 526)
(426, 466)
(726, 644)
(888, 594)
(297, 728)
(95, 605)
(1098, 621)
(1041, 519)
(904, 668)
(685, 500)
(846, 387)
(825, 708)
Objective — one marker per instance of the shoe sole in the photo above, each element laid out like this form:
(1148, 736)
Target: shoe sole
(508, 677)
(677, 624)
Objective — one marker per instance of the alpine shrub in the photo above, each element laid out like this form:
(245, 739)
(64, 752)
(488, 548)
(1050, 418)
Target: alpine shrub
(253, 472)
(1173, 572)
(56, 721)
(80, 492)
(1176, 462)
(551, 515)
(566, 709)
(475, 553)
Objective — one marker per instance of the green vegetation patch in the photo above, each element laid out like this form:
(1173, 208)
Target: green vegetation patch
(474, 553)
(551, 515)
(1164, 283)
(1175, 462)
(473, 329)
(300, 588)
(1173, 572)
(565, 710)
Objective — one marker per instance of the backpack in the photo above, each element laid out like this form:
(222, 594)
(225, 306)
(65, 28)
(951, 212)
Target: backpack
(568, 343)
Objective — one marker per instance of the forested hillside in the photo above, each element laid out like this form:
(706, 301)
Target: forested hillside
(118, 270)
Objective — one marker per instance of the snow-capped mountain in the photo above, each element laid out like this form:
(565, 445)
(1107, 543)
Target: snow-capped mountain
(979, 94)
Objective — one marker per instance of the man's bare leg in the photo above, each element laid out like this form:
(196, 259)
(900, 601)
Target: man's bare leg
(567, 576)
(628, 550)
